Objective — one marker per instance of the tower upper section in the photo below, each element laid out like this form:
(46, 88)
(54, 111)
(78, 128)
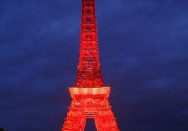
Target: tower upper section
(89, 72)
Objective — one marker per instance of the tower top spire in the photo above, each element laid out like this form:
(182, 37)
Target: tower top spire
(89, 72)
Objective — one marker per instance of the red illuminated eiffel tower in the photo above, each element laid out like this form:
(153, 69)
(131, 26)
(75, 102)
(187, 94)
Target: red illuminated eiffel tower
(89, 95)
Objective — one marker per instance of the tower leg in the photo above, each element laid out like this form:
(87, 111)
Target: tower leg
(75, 120)
(105, 120)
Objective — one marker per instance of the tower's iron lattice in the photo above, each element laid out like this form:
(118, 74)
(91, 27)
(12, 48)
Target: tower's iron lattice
(89, 96)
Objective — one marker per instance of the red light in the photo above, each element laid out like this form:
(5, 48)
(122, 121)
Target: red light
(89, 96)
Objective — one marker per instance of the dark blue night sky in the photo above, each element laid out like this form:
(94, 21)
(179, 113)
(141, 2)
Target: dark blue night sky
(143, 53)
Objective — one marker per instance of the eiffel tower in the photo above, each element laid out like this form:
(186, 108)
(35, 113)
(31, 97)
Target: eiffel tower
(89, 95)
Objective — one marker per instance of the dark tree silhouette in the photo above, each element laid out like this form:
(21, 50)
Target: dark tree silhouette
(1, 129)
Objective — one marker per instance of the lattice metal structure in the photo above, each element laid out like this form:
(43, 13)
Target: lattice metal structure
(89, 95)
(89, 72)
